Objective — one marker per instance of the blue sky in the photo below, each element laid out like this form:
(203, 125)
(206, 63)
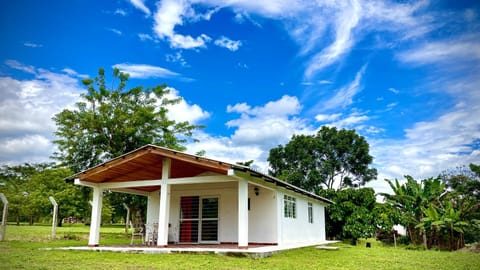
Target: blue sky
(406, 74)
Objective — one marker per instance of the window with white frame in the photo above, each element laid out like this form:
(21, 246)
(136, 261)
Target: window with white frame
(310, 212)
(289, 206)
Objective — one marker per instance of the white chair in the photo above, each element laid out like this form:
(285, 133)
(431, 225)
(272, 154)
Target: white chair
(136, 231)
(151, 232)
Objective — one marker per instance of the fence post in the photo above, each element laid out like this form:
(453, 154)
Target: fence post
(55, 213)
(127, 218)
(4, 217)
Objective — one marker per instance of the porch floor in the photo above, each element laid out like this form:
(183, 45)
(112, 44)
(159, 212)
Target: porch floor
(254, 251)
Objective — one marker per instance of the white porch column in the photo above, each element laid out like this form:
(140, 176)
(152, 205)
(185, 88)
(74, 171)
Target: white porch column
(163, 215)
(96, 218)
(242, 213)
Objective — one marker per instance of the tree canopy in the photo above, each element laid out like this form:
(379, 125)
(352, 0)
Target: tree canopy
(331, 158)
(109, 122)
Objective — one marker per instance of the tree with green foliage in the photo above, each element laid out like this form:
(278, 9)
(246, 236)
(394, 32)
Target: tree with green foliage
(410, 198)
(111, 121)
(329, 159)
(464, 192)
(352, 214)
(385, 217)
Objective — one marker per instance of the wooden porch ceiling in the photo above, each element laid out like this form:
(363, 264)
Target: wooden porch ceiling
(146, 164)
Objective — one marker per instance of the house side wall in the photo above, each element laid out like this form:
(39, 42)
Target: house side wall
(227, 208)
(262, 215)
(299, 230)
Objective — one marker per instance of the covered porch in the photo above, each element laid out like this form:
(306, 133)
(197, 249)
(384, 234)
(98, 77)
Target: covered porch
(191, 199)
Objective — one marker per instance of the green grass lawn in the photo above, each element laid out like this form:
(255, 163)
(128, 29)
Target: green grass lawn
(22, 250)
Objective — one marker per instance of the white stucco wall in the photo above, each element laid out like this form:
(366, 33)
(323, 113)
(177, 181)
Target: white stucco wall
(262, 215)
(299, 230)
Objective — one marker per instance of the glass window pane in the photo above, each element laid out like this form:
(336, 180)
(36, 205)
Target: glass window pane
(209, 230)
(210, 208)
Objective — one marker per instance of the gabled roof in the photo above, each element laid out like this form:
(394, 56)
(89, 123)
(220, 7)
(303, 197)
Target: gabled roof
(145, 163)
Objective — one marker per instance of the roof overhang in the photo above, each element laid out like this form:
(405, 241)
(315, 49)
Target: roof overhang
(145, 167)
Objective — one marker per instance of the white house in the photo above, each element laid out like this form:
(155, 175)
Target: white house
(199, 200)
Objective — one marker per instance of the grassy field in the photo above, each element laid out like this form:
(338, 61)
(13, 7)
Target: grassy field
(23, 250)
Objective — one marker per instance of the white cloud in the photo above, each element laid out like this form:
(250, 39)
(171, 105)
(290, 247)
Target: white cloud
(429, 147)
(256, 131)
(345, 22)
(392, 105)
(461, 48)
(344, 96)
(144, 37)
(120, 12)
(222, 148)
(325, 82)
(225, 42)
(19, 66)
(188, 42)
(26, 149)
(73, 73)
(325, 30)
(26, 110)
(171, 13)
(115, 31)
(183, 111)
(356, 120)
(327, 117)
(350, 122)
(239, 108)
(287, 105)
(143, 71)
(27, 107)
(267, 125)
(139, 4)
(176, 57)
(32, 45)
(242, 17)
(393, 90)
